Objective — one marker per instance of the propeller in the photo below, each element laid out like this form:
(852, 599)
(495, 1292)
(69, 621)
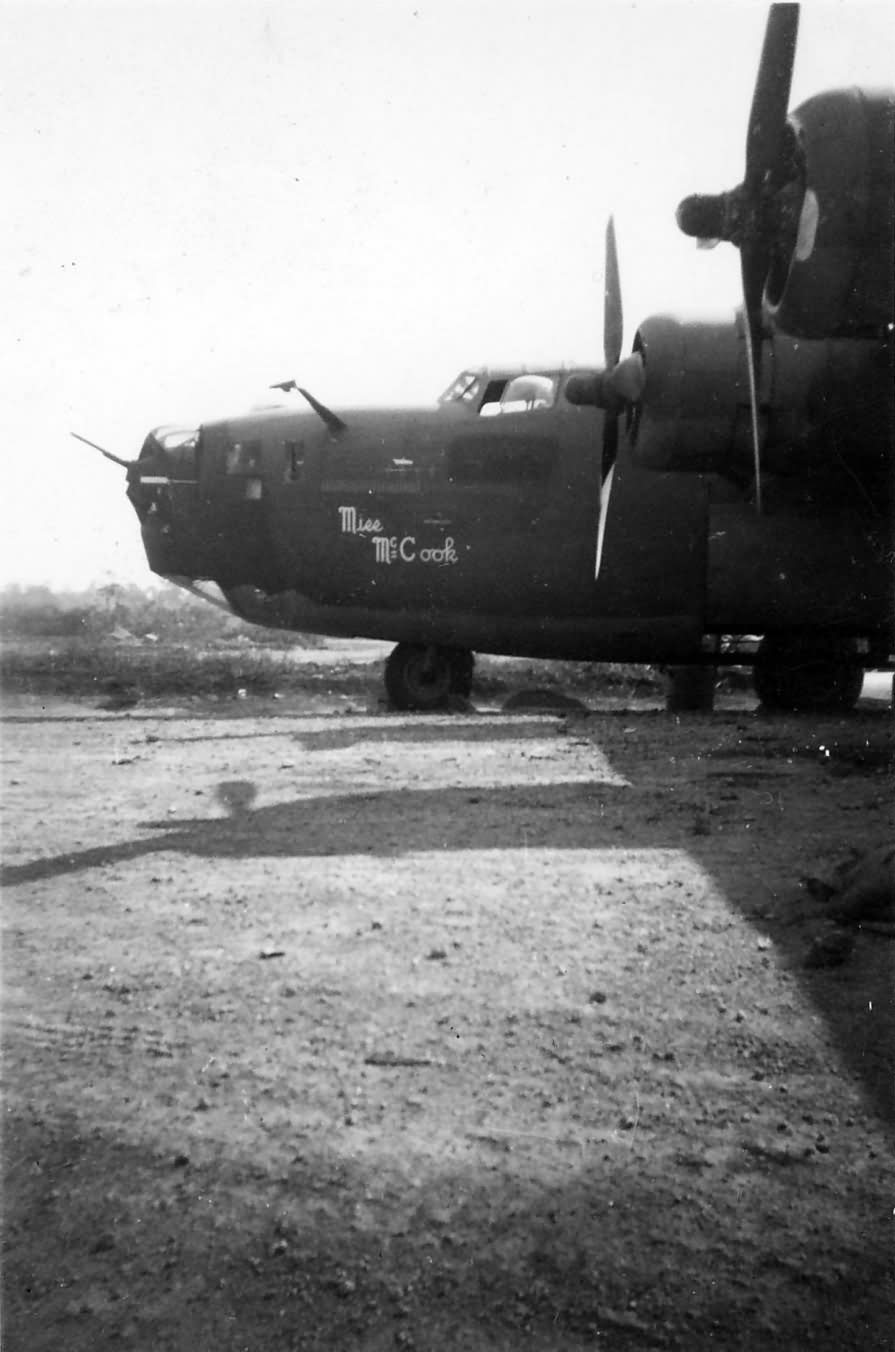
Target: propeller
(622, 382)
(760, 216)
(116, 459)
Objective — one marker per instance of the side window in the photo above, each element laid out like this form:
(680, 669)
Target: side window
(294, 461)
(501, 462)
(243, 457)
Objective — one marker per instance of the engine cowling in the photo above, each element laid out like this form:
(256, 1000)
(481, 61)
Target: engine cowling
(842, 277)
(694, 414)
(696, 387)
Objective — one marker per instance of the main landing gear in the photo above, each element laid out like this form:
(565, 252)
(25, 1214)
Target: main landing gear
(808, 672)
(424, 677)
(690, 689)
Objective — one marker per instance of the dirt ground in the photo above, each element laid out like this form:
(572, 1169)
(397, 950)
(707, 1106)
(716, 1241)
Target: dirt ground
(331, 1028)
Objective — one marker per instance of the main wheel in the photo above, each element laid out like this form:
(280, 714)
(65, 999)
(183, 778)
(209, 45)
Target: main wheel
(690, 689)
(423, 676)
(462, 666)
(807, 672)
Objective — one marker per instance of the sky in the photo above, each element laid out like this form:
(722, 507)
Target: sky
(204, 198)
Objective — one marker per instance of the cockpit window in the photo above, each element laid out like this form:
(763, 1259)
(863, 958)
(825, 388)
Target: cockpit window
(522, 394)
(490, 393)
(464, 390)
(173, 437)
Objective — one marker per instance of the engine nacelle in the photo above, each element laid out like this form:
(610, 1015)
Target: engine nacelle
(842, 277)
(694, 415)
(691, 416)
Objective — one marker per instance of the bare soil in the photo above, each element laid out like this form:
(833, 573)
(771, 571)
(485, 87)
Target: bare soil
(331, 1028)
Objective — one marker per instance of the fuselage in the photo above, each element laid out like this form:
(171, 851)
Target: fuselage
(489, 525)
(443, 525)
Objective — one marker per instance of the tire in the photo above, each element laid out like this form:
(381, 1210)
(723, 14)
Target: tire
(463, 665)
(691, 689)
(419, 677)
(809, 674)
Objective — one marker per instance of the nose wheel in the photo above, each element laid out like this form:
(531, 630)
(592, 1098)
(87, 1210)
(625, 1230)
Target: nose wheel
(423, 677)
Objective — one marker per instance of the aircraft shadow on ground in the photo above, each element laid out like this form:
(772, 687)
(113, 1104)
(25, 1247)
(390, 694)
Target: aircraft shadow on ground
(492, 1257)
(591, 815)
(389, 823)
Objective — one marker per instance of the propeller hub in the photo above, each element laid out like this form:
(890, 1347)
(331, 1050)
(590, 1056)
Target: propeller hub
(627, 382)
(702, 216)
(586, 391)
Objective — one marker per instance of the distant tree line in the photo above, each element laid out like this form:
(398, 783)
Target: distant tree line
(168, 614)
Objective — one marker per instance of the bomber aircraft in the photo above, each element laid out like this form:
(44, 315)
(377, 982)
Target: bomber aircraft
(721, 481)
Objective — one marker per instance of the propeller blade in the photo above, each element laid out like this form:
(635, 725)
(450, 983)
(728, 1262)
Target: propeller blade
(754, 263)
(610, 447)
(753, 266)
(116, 459)
(765, 138)
(613, 319)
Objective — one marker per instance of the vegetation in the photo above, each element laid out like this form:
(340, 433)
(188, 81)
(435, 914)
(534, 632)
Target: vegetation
(165, 614)
(114, 640)
(121, 643)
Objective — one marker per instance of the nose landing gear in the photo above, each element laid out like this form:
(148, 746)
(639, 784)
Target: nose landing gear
(424, 677)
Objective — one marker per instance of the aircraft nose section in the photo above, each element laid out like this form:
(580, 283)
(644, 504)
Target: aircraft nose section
(167, 459)
(168, 456)
(162, 485)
